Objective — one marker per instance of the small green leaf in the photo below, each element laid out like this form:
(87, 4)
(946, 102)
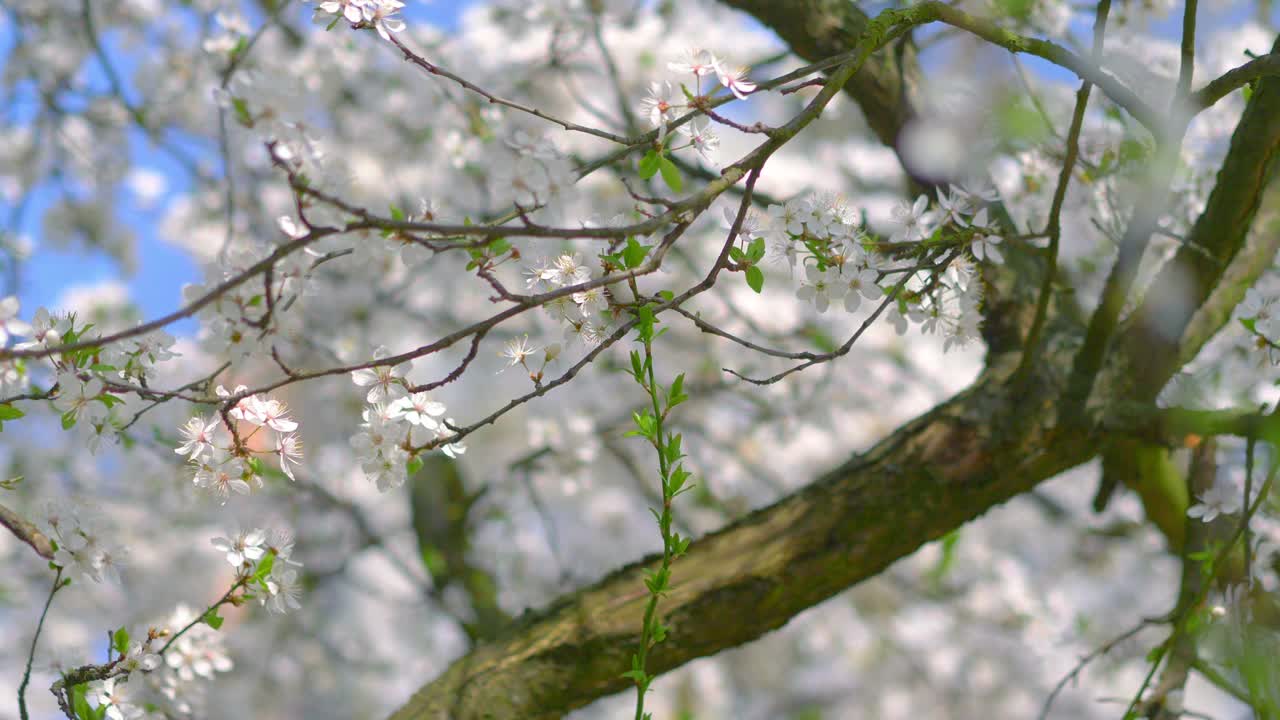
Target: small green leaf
(242, 112)
(68, 420)
(671, 174)
(9, 412)
(264, 566)
(211, 619)
(397, 214)
(79, 705)
(120, 641)
(414, 465)
(649, 164)
(755, 278)
(634, 253)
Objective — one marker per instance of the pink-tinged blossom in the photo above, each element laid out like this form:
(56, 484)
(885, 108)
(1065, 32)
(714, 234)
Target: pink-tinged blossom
(696, 61)
(289, 448)
(198, 437)
(659, 106)
(735, 79)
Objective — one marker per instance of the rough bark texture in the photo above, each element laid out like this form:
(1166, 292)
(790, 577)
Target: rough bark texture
(930, 476)
(982, 447)
(817, 29)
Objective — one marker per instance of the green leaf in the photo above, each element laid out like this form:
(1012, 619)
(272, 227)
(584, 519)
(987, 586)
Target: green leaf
(670, 174)
(755, 250)
(637, 368)
(68, 420)
(211, 619)
(120, 641)
(79, 705)
(649, 164)
(736, 254)
(414, 465)
(242, 112)
(676, 394)
(9, 412)
(755, 278)
(634, 253)
(667, 295)
(264, 567)
(397, 214)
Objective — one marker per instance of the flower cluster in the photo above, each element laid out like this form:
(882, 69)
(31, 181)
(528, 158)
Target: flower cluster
(190, 664)
(82, 544)
(843, 262)
(82, 379)
(398, 424)
(244, 322)
(664, 103)
(1261, 317)
(224, 461)
(584, 315)
(377, 14)
(263, 557)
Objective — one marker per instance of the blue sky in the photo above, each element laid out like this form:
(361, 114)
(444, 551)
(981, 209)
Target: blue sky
(162, 269)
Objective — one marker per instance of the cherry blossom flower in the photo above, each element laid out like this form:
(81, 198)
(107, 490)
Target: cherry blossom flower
(271, 413)
(735, 79)
(138, 659)
(702, 137)
(697, 62)
(914, 221)
(46, 331)
(659, 106)
(10, 325)
(284, 588)
(1220, 499)
(244, 548)
(113, 694)
(221, 476)
(862, 284)
(289, 448)
(820, 286)
(419, 409)
(78, 397)
(568, 270)
(384, 381)
(591, 302)
(517, 351)
(378, 13)
(986, 248)
(199, 436)
(787, 219)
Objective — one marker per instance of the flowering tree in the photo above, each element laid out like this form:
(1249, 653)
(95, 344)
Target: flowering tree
(488, 314)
